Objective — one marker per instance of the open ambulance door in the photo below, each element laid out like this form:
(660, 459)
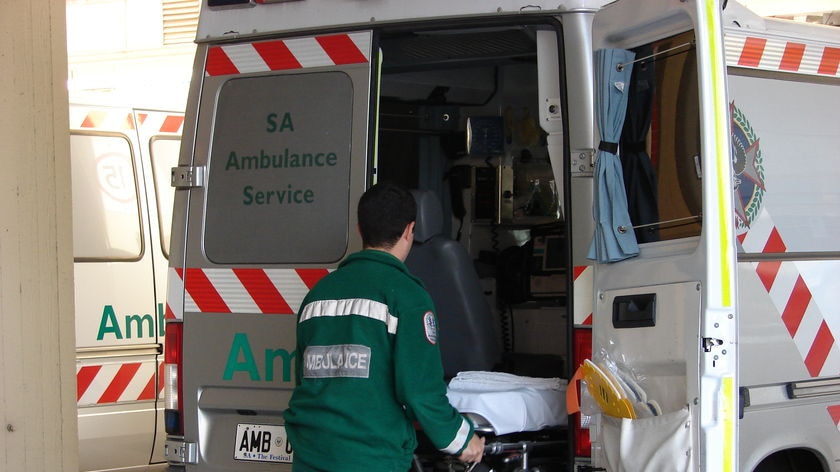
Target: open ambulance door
(269, 175)
(664, 357)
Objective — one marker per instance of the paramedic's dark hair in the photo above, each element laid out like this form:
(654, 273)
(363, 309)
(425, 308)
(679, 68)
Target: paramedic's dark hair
(384, 211)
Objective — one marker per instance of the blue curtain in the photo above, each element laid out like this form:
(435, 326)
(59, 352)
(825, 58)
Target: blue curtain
(614, 238)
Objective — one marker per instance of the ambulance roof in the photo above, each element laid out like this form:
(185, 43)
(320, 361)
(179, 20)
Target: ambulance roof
(738, 17)
(257, 19)
(254, 18)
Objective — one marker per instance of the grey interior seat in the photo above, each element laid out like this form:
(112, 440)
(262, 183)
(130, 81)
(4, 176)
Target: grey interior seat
(467, 333)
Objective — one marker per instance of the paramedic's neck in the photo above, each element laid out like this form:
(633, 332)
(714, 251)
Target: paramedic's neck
(401, 248)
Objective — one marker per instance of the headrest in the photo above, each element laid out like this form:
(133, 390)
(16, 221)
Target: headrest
(429, 215)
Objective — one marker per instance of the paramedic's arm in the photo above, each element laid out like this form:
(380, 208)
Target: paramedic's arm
(420, 387)
(474, 450)
(299, 347)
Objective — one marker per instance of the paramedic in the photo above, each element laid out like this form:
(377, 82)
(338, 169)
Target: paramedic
(368, 364)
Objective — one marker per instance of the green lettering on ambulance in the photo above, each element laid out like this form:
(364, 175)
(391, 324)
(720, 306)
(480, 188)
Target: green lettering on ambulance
(241, 346)
(232, 161)
(285, 124)
(271, 121)
(286, 359)
(161, 320)
(138, 320)
(249, 194)
(108, 324)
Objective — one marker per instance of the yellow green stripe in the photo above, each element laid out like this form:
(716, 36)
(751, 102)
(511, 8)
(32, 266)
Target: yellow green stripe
(728, 422)
(724, 214)
(378, 80)
(721, 130)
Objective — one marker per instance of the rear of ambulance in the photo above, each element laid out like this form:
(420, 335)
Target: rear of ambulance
(264, 200)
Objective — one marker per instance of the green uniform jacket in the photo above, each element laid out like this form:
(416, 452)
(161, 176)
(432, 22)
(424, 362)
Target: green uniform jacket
(368, 366)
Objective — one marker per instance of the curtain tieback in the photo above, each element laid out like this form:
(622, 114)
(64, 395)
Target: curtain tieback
(611, 148)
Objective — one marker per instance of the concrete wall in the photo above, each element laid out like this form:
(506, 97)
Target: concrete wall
(37, 372)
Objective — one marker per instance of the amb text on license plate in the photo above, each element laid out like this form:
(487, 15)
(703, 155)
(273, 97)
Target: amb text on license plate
(262, 443)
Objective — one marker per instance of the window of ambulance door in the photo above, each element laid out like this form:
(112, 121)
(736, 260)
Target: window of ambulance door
(664, 187)
(279, 167)
(106, 213)
(164, 155)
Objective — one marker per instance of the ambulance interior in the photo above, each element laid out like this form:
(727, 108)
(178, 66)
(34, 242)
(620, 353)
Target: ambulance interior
(457, 108)
(458, 119)
(458, 122)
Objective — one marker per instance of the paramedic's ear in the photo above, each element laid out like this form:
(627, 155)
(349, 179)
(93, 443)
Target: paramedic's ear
(403, 244)
(408, 233)
(407, 238)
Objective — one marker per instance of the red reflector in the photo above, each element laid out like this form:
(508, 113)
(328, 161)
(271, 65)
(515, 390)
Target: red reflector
(174, 338)
(582, 339)
(173, 378)
(583, 445)
(583, 346)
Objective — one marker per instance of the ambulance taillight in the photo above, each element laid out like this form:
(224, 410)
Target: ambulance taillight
(580, 422)
(173, 389)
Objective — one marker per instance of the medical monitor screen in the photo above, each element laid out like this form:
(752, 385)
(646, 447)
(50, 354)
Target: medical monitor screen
(548, 253)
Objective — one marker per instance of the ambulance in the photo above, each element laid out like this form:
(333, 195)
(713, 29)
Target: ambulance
(122, 209)
(646, 190)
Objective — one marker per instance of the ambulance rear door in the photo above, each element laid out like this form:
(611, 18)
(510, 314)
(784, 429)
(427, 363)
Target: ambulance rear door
(665, 321)
(159, 139)
(116, 320)
(270, 179)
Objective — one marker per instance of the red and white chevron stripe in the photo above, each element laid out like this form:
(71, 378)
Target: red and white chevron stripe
(583, 286)
(834, 412)
(119, 120)
(790, 294)
(117, 382)
(123, 120)
(803, 57)
(156, 122)
(286, 54)
(239, 290)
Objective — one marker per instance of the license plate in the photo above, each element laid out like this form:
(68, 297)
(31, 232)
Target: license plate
(262, 443)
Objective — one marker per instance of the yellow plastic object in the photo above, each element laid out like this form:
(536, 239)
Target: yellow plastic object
(609, 395)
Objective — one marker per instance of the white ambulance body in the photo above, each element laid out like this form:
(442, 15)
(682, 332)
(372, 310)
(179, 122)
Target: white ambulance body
(784, 93)
(708, 307)
(122, 208)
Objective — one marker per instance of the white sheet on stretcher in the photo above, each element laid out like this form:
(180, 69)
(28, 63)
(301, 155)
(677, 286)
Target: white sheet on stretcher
(511, 403)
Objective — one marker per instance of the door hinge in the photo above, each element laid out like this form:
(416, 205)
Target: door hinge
(178, 451)
(187, 177)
